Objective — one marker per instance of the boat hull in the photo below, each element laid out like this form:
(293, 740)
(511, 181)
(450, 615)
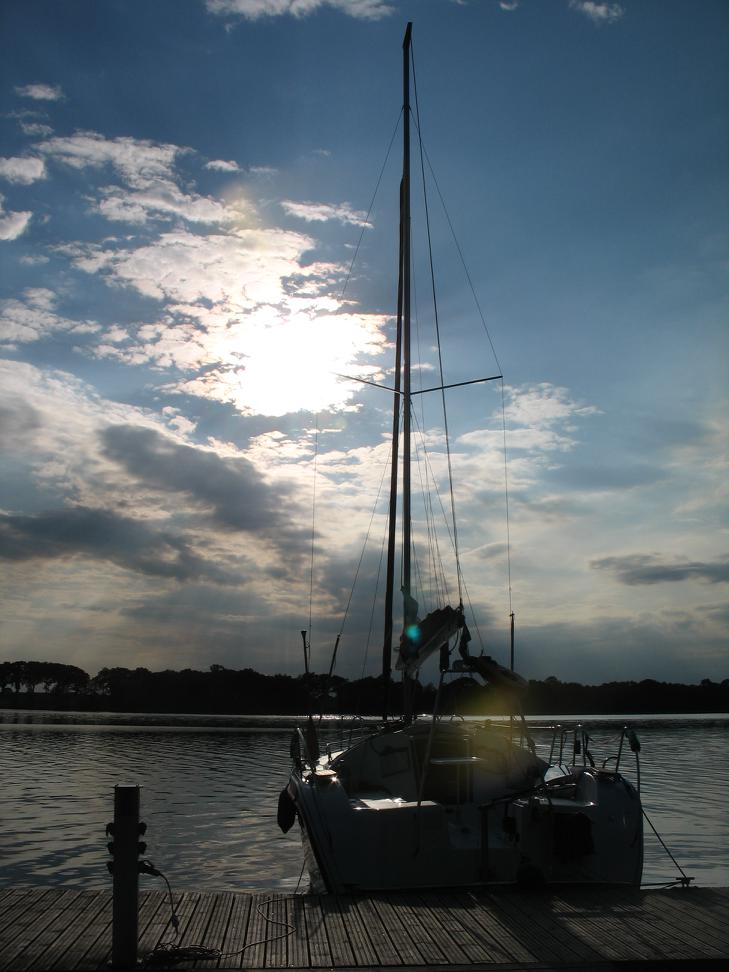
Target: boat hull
(584, 827)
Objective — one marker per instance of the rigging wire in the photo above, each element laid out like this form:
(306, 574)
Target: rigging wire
(307, 650)
(462, 259)
(424, 155)
(437, 329)
(506, 499)
(359, 563)
(366, 222)
(436, 563)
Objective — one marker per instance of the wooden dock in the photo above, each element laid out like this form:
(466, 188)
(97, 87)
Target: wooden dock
(577, 929)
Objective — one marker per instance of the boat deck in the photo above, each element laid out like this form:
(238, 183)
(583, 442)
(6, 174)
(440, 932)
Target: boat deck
(64, 929)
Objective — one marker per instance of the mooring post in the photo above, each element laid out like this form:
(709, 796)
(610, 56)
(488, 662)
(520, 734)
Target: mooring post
(125, 848)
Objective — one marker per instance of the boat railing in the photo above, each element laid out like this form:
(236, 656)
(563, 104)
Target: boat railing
(569, 744)
(628, 735)
(327, 736)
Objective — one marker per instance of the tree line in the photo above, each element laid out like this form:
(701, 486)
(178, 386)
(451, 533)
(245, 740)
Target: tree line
(35, 684)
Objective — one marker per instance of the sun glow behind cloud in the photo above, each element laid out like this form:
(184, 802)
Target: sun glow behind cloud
(246, 316)
(290, 364)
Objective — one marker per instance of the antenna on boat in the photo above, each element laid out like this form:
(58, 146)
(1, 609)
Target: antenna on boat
(511, 642)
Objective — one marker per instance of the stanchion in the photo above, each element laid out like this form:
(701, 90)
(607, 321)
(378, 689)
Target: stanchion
(125, 849)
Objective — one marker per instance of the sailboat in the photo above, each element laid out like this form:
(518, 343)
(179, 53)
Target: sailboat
(437, 802)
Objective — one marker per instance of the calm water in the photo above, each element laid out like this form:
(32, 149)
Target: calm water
(210, 789)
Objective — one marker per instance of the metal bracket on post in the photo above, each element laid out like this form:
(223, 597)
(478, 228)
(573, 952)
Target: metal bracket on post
(125, 849)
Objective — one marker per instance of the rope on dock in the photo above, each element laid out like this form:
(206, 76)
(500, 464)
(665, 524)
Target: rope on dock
(170, 953)
(684, 880)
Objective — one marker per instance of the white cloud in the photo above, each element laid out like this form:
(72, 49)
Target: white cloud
(220, 165)
(148, 170)
(33, 260)
(35, 129)
(314, 212)
(40, 92)
(240, 269)
(540, 406)
(598, 13)
(508, 4)
(13, 225)
(165, 200)
(254, 9)
(34, 317)
(22, 170)
(139, 162)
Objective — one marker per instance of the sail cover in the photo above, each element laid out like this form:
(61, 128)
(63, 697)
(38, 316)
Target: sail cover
(421, 639)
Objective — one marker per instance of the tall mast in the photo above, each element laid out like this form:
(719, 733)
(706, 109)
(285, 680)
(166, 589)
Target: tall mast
(403, 337)
(408, 618)
(392, 521)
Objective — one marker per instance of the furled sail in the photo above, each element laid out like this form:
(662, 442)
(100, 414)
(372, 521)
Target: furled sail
(493, 673)
(420, 639)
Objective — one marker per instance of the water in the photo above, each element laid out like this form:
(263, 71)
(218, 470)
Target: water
(210, 787)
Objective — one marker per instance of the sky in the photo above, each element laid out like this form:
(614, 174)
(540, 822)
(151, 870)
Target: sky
(195, 249)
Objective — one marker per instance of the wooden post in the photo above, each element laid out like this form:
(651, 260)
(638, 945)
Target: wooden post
(126, 877)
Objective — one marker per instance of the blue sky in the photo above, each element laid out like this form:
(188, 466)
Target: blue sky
(183, 188)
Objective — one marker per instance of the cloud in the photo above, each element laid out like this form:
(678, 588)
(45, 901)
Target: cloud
(13, 225)
(322, 212)
(18, 422)
(151, 184)
(197, 507)
(255, 9)
(220, 165)
(541, 406)
(35, 129)
(508, 4)
(233, 490)
(22, 170)
(40, 92)
(34, 317)
(163, 200)
(598, 13)
(638, 569)
(104, 535)
(652, 644)
(240, 269)
(139, 162)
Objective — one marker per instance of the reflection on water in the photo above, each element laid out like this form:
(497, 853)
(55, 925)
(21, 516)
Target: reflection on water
(210, 789)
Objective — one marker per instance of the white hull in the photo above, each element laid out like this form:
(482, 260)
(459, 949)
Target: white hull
(485, 816)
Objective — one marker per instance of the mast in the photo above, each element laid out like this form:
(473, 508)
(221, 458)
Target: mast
(408, 617)
(392, 519)
(403, 338)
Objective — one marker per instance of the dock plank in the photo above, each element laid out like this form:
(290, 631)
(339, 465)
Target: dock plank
(12, 901)
(423, 934)
(362, 948)
(298, 948)
(217, 928)
(254, 956)
(234, 937)
(339, 945)
(592, 921)
(277, 947)
(682, 902)
(382, 945)
(545, 918)
(408, 950)
(496, 938)
(319, 954)
(19, 917)
(576, 929)
(40, 937)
